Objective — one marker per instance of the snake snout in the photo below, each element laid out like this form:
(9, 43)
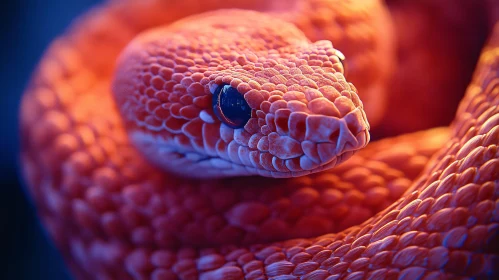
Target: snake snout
(328, 139)
(316, 142)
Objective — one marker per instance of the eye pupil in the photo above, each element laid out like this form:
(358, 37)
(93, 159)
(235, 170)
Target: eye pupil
(230, 107)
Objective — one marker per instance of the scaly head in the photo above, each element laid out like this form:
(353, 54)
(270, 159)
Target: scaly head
(232, 93)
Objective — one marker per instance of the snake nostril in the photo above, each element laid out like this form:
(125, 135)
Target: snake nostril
(230, 107)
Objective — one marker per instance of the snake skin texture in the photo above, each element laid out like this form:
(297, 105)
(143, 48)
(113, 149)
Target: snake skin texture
(134, 177)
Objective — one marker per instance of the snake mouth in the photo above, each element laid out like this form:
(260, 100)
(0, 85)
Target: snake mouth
(236, 159)
(325, 142)
(251, 161)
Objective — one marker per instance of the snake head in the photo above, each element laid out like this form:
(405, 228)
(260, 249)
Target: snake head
(233, 92)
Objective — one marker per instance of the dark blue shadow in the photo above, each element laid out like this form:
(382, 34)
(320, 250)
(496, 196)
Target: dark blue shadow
(27, 27)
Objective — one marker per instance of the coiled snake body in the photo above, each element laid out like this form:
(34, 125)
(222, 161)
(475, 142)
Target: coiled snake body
(141, 169)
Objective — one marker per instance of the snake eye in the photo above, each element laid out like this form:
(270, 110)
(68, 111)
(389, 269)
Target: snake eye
(230, 107)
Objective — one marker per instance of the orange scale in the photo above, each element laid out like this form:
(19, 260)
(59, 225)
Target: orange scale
(193, 128)
(186, 81)
(203, 101)
(189, 112)
(165, 73)
(151, 104)
(161, 113)
(65, 144)
(173, 124)
(198, 145)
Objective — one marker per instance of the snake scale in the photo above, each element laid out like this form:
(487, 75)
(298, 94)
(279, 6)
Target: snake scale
(166, 139)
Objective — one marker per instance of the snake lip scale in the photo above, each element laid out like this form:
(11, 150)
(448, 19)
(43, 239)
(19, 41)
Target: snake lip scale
(195, 160)
(207, 140)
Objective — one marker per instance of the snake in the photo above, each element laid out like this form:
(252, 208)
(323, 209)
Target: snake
(165, 139)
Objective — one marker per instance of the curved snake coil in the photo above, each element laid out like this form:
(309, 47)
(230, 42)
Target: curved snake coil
(135, 176)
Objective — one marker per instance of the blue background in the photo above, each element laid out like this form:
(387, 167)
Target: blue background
(27, 27)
